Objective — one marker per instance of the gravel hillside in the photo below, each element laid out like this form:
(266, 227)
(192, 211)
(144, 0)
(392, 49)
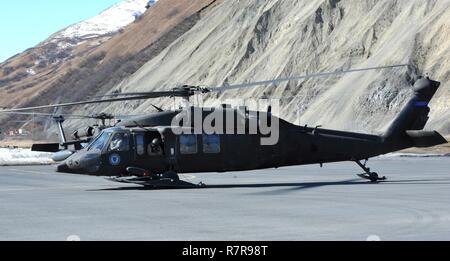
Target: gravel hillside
(250, 40)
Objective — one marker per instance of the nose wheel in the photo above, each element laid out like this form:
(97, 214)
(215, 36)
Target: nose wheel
(169, 179)
(372, 176)
(170, 175)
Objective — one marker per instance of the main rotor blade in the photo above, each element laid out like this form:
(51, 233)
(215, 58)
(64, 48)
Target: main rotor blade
(72, 116)
(80, 103)
(47, 114)
(187, 91)
(159, 94)
(128, 94)
(316, 75)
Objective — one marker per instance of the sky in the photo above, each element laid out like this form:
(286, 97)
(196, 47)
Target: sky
(25, 23)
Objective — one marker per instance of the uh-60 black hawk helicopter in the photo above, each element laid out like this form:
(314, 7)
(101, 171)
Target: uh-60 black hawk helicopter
(151, 150)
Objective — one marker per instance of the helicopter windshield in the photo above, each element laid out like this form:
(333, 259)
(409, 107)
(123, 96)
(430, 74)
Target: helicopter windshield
(99, 143)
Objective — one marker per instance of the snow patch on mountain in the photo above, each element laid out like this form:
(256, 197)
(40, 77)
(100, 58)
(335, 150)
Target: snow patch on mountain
(59, 47)
(107, 22)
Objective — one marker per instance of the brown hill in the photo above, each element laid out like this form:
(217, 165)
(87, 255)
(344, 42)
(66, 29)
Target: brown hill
(98, 64)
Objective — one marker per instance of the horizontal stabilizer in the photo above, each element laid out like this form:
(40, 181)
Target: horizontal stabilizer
(49, 147)
(423, 139)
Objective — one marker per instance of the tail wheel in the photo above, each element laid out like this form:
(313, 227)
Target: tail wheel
(374, 177)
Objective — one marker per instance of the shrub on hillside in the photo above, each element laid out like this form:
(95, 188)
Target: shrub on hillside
(8, 70)
(17, 77)
(93, 60)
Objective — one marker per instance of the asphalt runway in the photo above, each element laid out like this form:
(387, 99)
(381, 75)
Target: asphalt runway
(297, 203)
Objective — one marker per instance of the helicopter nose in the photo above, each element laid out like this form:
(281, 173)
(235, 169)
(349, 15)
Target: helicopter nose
(83, 163)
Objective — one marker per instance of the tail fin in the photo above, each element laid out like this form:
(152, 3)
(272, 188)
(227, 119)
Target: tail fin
(414, 115)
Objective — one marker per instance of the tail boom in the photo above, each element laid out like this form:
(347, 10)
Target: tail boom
(407, 129)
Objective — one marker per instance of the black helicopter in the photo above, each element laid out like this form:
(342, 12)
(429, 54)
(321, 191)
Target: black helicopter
(151, 150)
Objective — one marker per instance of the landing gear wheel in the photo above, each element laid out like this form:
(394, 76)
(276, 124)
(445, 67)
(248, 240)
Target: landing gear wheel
(168, 180)
(373, 177)
(380, 178)
(171, 175)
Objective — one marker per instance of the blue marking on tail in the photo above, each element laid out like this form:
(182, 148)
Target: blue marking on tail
(421, 104)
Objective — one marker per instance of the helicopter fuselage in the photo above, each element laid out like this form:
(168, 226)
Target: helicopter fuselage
(154, 145)
(193, 153)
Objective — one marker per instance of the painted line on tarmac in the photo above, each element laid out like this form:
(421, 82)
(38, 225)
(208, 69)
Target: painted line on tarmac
(20, 171)
(188, 177)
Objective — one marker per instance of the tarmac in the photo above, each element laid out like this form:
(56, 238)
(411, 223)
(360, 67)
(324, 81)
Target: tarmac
(295, 203)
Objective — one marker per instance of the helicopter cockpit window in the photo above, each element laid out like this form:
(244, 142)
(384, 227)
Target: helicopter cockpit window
(140, 144)
(99, 143)
(211, 143)
(188, 144)
(120, 142)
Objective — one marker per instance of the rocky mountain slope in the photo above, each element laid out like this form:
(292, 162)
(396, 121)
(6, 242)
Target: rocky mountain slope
(241, 41)
(207, 42)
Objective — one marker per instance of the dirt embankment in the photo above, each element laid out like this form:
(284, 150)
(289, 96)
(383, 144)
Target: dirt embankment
(24, 144)
(441, 149)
